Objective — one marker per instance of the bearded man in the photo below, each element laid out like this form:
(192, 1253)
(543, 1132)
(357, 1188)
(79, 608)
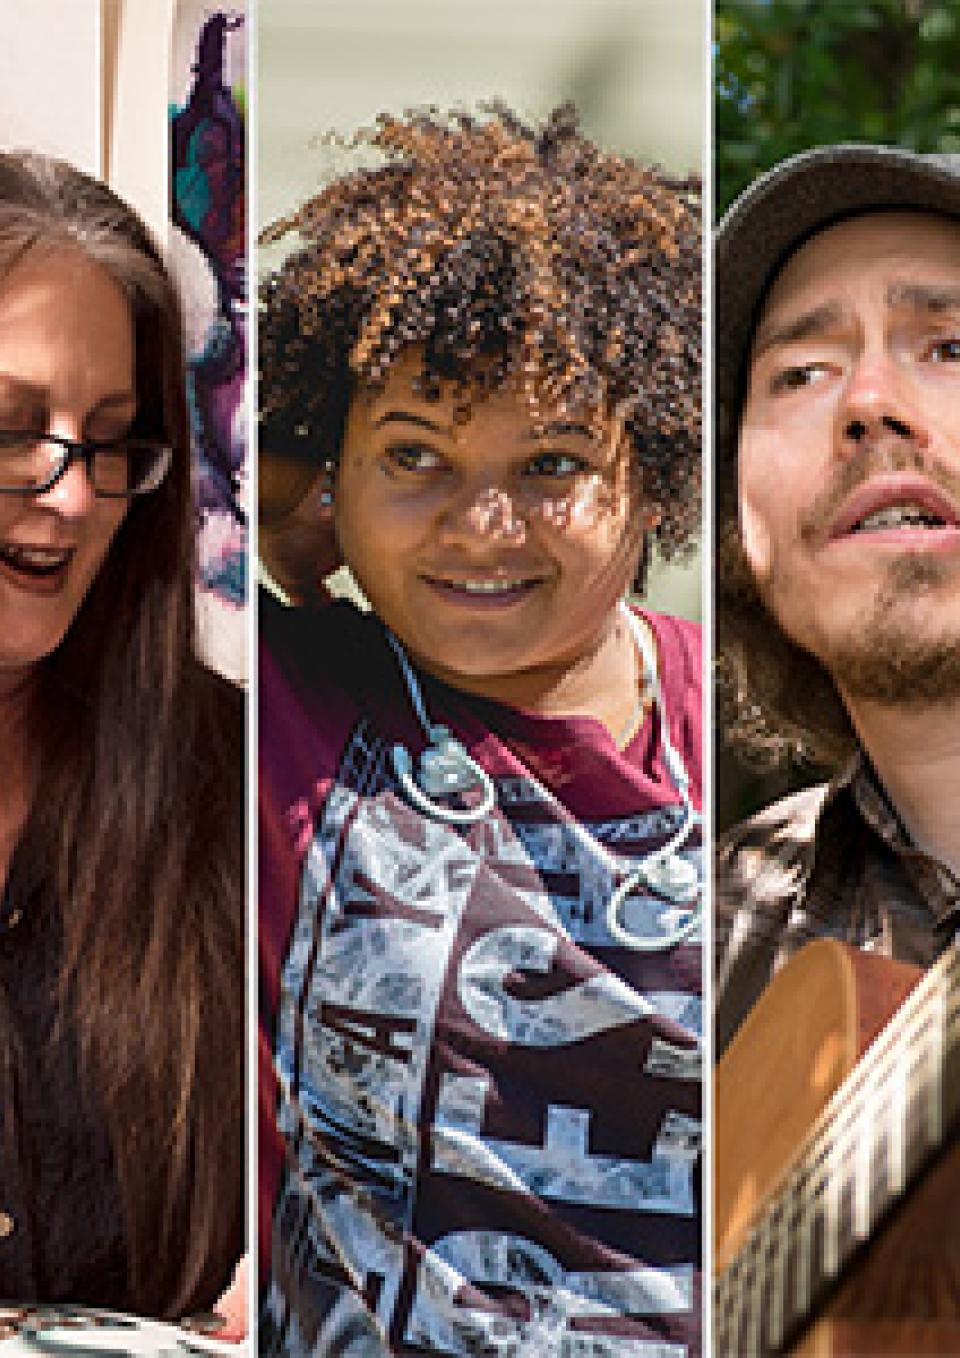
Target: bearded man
(838, 595)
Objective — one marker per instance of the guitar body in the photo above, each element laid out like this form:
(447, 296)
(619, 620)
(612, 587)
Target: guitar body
(900, 1294)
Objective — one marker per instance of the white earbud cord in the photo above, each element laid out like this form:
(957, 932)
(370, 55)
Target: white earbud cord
(663, 870)
(447, 767)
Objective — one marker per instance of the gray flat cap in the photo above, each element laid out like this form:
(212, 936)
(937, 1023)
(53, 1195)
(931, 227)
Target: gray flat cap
(782, 209)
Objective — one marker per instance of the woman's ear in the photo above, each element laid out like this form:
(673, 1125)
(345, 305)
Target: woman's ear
(325, 488)
(643, 564)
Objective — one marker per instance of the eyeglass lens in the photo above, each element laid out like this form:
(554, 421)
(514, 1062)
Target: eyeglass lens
(30, 464)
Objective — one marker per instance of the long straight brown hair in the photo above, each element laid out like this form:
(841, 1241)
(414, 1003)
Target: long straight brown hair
(137, 834)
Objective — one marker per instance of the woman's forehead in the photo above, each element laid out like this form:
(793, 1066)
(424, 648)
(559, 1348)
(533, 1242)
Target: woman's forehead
(66, 327)
(446, 405)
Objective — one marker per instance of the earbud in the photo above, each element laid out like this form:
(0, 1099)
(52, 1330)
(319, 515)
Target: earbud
(443, 770)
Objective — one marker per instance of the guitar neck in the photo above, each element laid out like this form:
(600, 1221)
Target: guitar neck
(880, 1129)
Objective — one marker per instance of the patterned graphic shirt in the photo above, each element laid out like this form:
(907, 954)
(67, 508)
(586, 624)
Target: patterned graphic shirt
(480, 1111)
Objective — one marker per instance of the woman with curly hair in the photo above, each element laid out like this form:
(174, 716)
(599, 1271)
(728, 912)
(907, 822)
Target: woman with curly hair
(480, 863)
(121, 811)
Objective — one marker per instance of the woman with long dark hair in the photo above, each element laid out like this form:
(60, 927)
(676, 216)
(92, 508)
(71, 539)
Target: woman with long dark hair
(121, 813)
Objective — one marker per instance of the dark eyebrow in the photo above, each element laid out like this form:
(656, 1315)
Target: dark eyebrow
(560, 427)
(554, 430)
(932, 298)
(407, 417)
(810, 325)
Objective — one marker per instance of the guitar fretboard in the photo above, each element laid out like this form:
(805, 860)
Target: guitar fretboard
(872, 1140)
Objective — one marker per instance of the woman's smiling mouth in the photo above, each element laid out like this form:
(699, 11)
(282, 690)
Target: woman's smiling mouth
(35, 568)
(483, 590)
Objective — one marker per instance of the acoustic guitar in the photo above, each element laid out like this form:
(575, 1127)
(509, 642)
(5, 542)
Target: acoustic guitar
(837, 1201)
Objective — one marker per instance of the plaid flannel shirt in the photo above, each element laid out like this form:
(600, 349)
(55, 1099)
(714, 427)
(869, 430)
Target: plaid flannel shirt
(831, 861)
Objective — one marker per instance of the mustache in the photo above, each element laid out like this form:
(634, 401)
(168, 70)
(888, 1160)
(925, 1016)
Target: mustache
(883, 455)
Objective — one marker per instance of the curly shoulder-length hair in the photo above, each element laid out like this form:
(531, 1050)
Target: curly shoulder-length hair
(135, 835)
(505, 252)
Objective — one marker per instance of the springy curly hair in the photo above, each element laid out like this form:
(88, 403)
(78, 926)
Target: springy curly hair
(506, 252)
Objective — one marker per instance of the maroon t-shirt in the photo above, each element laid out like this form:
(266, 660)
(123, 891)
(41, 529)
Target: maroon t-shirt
(480, 1111)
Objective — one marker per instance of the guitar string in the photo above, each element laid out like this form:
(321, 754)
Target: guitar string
(845, 1124)
(813, 1171)
(739, 1314)
(888, 1053)
(735, 1311)
(789, 1205)
(824, 1142)
(914, 1055)
(819, 1146)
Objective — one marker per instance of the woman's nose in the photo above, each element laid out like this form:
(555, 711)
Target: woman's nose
(487, 513)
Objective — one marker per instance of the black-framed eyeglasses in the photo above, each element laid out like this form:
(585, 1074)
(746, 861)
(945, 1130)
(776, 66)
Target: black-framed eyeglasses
(31, 463)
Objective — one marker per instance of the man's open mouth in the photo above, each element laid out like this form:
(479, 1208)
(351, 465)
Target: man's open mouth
(900, 505)
(899, 516)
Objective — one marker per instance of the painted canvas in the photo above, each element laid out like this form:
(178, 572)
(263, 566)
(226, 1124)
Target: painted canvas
(208, 239)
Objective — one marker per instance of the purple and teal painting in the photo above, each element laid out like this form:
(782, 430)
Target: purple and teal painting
(208, 208)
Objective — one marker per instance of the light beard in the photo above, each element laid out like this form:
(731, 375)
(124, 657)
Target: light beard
(889, 661)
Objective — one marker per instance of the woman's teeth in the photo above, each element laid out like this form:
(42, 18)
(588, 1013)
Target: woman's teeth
(38, 561)
(486, 586)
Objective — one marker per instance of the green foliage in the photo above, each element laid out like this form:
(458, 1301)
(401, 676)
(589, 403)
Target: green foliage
(791, 74)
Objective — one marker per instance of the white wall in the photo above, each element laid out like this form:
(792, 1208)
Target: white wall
(136, 61)
(88, 80)
(50, 79)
